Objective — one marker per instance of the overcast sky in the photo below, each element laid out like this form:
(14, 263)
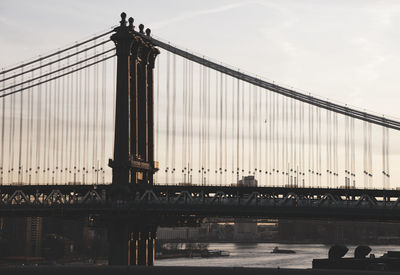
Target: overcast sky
(343, 50)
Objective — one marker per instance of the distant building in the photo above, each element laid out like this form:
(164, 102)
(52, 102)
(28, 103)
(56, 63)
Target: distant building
(20, 236)
(245, 229)
(248, 181)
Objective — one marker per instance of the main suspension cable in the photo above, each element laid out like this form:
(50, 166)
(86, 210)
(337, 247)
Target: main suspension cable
(57, 53)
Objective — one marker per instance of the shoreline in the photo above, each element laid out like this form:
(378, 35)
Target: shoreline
(157, 270)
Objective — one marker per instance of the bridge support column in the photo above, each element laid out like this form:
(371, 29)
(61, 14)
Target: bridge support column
(133, 249)
(131, 244)
(118, 243)
(143, 249)
(143, 55)
(151, 247)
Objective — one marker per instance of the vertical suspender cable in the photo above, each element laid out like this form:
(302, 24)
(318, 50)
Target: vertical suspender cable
(173, 116)
(184, 107)
(203, 122)
(302, 144)
(319, 147)
(103, 118)
(217, 128)
(290, 161)
(183, 160)
(370, 155)
(250, 129)
(57, 122)
(383, 157)
(20, 172)
(277, 121)
(167, 118)
(12, 135)
(70, 127)
(79, 96)
(202, 114)
(353, 154)
(274, 139)
(187, 110)
(260, 132)
(346, 146)
(237, 130)
(208, 123)
(114, 85)
(233, 130)
(365, 153)
(62, 121)
(95, 120)
(255, 132)
(191, 120)
(241, 118)
(328, 136)
(284, 138)
(225, 167)
(52, 140)
(387, 159)
(318, 142)
(68, 131)
(38, 131)
(31, 137)
(87, 126)
(85, 121)
(221, 98)
(157, 110)
(3, 110)
(268, 157)
(46, 140)
(77, 124)
(28, 138)
(295, 166)
(271, 141)
(11, 140)
(336, 160)
(311, 145)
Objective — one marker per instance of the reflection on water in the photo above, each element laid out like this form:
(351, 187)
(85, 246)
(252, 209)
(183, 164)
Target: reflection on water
(259, 255)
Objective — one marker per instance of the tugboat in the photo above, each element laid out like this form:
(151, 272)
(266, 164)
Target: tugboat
(282, 251)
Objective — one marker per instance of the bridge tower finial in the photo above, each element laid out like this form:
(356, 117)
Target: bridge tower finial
(123, 19)
(131, 27)
(141, 28)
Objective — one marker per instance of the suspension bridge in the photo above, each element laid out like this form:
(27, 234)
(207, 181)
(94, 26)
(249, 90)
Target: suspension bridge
(137, 133)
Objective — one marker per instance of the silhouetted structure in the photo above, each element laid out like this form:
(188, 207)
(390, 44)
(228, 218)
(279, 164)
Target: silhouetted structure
(132, 207)
(132, 241)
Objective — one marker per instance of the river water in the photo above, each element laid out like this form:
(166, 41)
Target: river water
(259, 255)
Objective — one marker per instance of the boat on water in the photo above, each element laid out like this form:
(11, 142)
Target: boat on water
(282, 251)
(214, 253)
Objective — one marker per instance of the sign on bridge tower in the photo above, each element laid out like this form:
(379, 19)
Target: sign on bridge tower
(132, 240)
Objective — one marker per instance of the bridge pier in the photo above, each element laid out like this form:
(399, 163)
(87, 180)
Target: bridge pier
(118, 243)
(131, 244)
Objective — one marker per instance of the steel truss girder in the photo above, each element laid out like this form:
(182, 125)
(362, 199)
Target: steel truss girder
(202, 201)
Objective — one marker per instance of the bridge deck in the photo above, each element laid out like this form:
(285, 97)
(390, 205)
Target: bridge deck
(200, 201)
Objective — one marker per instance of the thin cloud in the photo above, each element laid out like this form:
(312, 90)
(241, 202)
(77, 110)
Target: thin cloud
(192, 14)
